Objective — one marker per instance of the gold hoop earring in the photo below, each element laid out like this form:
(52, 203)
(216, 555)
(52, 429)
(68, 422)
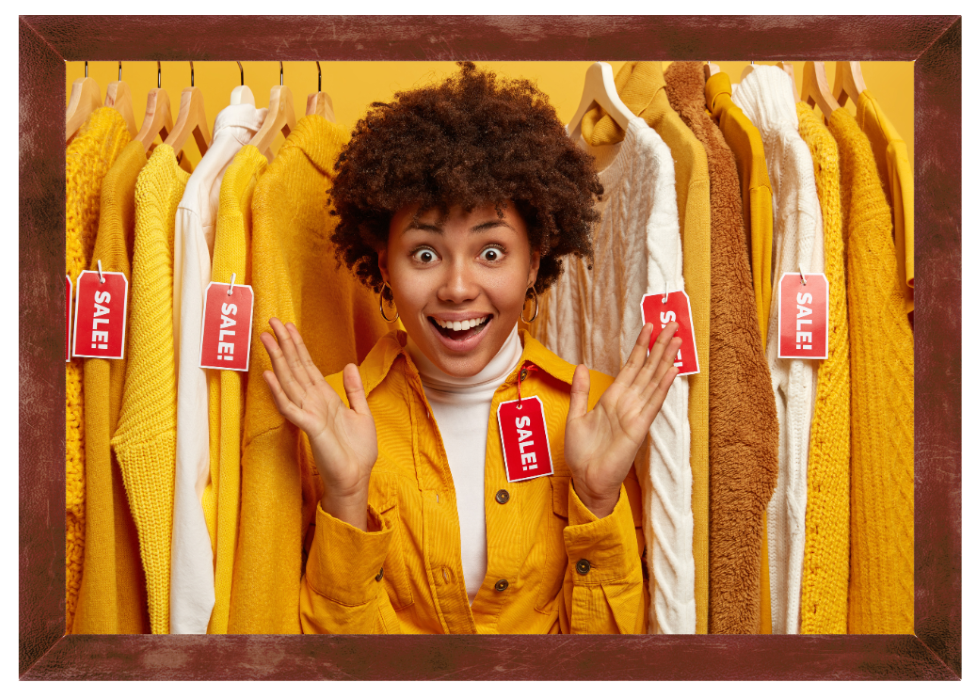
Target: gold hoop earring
(381, 305)
(534, 295)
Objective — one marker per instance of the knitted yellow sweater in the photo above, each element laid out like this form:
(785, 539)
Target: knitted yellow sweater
(296, 278)
(226, 389)
(89, 156)
(145, 440)
(643, 89)
(112, 599)
(823, 598)
(882, 587)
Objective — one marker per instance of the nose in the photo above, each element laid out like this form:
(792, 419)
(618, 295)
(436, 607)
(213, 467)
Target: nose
(459, 284)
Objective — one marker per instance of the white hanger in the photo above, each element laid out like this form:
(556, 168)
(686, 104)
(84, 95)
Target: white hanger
(600, 88)
(242, 95)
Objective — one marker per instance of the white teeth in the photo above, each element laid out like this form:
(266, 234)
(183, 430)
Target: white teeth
(462, 325)
(457, 326)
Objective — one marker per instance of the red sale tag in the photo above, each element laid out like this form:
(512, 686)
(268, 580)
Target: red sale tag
(676, 306)
(67, 318)
(803, 308)
(100, 315)
(226, 329)
(527, 451)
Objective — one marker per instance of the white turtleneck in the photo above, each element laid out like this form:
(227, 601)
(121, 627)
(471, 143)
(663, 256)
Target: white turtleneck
(461, 408)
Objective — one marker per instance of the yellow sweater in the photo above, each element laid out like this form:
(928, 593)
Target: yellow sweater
(226, 389)
(146, 438)
(112, 599)
(296, 278)
(642, 87)
(823, 598)
(895, 171)
(89, 156)
(882, 586)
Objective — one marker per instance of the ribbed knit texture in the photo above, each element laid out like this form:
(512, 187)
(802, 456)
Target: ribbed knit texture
(823, 599)
(642, 87)
(767, 98)
(112, 599)
(743, 427)
(145, 439)
(881, 592)
(88, 158)
(226, 389)
(895, 172)
(593, 317)
(296, 278)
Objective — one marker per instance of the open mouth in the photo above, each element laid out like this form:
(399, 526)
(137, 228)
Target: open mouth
(460, 330)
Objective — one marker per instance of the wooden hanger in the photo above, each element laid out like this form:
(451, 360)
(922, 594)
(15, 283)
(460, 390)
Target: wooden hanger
(815, 90)
(157, 120)
(848, 81)
(281, 116)
(319, 102)
(747, 72)
(119, 97)
(191, 119)
(600, 88)
(788, 69)
(242, 94)
(86, 97)
(710, 69)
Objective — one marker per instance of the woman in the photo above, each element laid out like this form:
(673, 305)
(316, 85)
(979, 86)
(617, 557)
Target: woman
(472, 480)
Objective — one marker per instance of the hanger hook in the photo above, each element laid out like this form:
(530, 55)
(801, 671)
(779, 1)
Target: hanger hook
(192, 73)
(319, 78)
(242, 70)
(158, 75)
(120, 71)
(86, 69)
(280, 73)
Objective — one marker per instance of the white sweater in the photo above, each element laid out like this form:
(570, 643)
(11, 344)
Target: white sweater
(767, 96)
(593, 317)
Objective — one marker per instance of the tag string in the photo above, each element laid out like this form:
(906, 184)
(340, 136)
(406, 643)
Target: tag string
(232, 285)
(802, 276)
(526, 368)
(101, 278)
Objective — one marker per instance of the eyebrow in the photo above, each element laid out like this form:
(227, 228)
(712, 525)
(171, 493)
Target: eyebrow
(479, 228)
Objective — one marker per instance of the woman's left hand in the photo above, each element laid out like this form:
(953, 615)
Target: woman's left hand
(600, 444)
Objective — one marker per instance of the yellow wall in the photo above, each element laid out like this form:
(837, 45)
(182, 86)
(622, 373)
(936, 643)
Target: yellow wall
(354, 85)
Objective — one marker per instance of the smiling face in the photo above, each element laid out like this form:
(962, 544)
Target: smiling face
(459, 281)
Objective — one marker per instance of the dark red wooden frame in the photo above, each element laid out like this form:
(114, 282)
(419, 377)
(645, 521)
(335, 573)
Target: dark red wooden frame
(934, 652)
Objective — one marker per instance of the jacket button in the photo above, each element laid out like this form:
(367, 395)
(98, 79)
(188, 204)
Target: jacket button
(501, 585)
(583, 566)
(523, 374)
(381, 574)
(502, 496)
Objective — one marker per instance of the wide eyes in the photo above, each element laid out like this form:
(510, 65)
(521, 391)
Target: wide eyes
(425, 255)
(492, 254)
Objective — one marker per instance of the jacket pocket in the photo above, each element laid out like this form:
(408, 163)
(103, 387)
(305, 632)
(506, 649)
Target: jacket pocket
(552, 538)
(396, 576)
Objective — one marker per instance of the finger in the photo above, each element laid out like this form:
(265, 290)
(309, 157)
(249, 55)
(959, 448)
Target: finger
(280, 366)
(662, 367)
(305, 360)
(654, 361)
(637, 356)
(286, 407)
(578, 403)
(658, 396)
(289, 351)
(355, 390)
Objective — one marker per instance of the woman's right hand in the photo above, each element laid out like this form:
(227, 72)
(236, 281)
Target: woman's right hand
(344, 440)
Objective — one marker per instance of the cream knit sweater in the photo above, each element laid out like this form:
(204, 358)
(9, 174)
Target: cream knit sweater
(767, 98)
(593, 317)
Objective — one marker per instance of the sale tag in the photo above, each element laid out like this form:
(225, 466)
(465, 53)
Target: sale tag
(676, 306)
(803, 308)
(100, 315)
(527, 451)
(226, 329)
(67, 318)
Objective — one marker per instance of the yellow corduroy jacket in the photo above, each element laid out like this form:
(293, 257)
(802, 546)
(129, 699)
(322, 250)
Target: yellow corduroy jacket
(881, 593)
(296, 278)
(145, 439)
(112, 599)
(823, 597)
(226, 389)
(405, 574)
(88, 158)
(750, 159)
(895, 171)
(642, 87)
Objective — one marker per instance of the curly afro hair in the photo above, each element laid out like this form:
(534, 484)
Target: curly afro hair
(473, 140)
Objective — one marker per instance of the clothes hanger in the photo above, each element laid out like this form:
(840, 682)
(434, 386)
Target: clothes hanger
(157, 120)
(815, 90)
(242, 94)
(710, 69)
(600, 88)
(788, 69)
(191, 119)
(119, 97)
(86, 97)
(747, 72)
(848, 81)
(281, 116)
(319, 102)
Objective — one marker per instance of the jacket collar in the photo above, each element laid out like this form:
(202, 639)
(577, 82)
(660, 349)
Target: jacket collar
(386, 351)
